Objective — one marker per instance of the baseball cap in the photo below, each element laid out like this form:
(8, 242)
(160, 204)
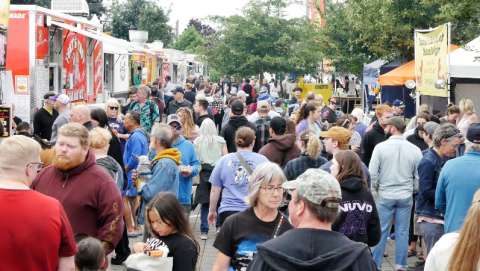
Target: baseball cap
(179, 89)
(398, 103)
(279, 125)
(63, 99)
(237, 107)
(430, 127)
(318, 187)
(50, 96)
(173, 118)
(396, 122)
(340, 134)
(473, 133)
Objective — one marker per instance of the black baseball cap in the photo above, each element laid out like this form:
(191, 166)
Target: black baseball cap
(49, 95)
(473, 133)
(237, 107)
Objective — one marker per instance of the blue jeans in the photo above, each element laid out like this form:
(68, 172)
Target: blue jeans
(399, 209)
(204, 218)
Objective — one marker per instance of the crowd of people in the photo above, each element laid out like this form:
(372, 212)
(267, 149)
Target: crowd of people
(286, 184)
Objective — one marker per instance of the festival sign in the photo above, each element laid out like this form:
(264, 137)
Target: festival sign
(74, 65)
(431, 61)
(98, 68)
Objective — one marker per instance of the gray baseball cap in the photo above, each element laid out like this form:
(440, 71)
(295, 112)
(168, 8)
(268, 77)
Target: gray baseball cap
(318, 187)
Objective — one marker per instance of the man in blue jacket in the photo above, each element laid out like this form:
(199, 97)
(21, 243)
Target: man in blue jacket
(446, 139)
(190, 166)
(458, 181)
(165, 161)
(137, 145)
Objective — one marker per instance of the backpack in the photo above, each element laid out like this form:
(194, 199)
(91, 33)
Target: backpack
(262, 126)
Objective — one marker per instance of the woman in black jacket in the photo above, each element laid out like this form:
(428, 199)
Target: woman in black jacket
(358, 218)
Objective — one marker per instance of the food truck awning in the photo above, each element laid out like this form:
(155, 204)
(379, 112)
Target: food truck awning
(110, 45)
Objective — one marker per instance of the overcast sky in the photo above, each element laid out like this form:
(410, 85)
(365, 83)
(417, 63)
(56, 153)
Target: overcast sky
(184, 10)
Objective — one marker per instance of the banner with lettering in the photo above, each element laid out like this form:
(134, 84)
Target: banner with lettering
(74, 65)
(431, 61)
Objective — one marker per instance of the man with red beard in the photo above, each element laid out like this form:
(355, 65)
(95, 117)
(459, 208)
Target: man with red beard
(87, 192)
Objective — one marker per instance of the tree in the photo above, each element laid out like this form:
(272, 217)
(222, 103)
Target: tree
(140, 15)
(262, 40)
(204, 29)
(190, 40)
(360, 31)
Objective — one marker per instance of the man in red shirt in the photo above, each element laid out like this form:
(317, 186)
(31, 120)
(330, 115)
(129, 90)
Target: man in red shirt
(35, 231)
(88, 193)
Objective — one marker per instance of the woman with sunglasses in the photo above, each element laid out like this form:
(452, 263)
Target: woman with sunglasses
(241, 233)
(114, 121)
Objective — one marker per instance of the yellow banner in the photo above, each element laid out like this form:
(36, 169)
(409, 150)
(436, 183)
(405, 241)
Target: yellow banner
(431, 61)
(325, 90)
(4, 13)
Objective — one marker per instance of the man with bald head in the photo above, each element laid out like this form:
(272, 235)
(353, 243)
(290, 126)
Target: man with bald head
(81, 114)
(36, 233)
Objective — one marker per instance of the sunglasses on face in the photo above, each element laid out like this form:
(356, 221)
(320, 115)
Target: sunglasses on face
(176, 127)
(113, 107)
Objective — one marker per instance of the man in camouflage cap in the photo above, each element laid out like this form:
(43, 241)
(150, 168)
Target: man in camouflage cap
(312, 245)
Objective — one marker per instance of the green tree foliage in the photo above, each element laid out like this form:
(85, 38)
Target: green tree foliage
(190, 41)
(140, 15)
(262, 40)
(204, 29)
(360, 31)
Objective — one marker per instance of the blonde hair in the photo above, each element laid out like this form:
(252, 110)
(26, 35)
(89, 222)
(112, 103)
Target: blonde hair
(99, 138)
(466, 253)
(311, 144)
(261, 176)
(17, 152)
(187, 121)
(112, 101)
(466, 106)
(75, 130)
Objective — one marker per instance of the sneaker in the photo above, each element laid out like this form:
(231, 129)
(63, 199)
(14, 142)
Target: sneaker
(203, 236)
(134, 233)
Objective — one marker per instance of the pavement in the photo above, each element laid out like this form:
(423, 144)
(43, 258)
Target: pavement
(208, 252)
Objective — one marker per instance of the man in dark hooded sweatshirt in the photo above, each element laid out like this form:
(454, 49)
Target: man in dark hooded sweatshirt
(312, 245)
(281, 147)
(237, 120)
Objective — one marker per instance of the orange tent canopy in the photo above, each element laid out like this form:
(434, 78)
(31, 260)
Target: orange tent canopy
(403, 73)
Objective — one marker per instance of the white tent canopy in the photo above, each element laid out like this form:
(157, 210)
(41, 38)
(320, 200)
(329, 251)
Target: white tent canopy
(465, 62)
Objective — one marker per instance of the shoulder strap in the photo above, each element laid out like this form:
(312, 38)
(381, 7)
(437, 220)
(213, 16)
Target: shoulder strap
(244, 163)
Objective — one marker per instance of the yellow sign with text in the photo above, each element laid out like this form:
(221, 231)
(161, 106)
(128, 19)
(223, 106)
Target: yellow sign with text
(325, 90)
(431, 61)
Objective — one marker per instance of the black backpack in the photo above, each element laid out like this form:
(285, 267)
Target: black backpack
(262, 126)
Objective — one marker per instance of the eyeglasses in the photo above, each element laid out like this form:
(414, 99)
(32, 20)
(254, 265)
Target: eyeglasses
(36, 165)
(113, 107)
(272, 189)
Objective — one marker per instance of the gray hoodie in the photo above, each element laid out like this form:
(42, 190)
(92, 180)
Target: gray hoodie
(113, 168)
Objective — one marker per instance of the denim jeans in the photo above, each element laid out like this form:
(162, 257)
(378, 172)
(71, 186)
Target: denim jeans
(431, 233)
(399, 209)
(204, 218)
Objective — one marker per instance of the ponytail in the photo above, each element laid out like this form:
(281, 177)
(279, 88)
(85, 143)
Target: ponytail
(312, 144)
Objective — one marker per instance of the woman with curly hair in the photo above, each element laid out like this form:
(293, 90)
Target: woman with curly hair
(190, 130)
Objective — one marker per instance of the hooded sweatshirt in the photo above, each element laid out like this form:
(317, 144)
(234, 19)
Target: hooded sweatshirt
(188, 157)
(114, 169)
(358, 218)
(281, 149)
(228, 131)
(164, 178)
(312, 249)
(370, 140)
(90, 198)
